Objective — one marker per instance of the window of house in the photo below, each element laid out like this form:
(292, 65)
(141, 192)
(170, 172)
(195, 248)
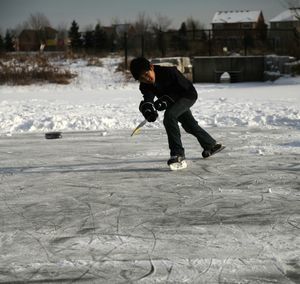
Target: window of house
(218, 26)
(276, 25)
(246, 25)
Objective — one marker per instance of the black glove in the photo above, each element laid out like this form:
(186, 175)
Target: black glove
(163, 102)
(148, 111)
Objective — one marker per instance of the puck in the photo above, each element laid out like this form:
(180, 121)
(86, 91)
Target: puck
(53, 135)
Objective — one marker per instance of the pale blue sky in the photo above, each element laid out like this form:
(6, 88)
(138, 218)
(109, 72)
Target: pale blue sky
(88, 12)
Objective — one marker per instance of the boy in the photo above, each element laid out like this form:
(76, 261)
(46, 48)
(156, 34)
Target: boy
(175, 95)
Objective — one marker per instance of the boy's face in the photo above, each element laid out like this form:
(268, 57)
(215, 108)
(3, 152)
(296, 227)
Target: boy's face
(148, 77)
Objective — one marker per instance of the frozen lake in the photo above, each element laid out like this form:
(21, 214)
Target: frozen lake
(104, 208)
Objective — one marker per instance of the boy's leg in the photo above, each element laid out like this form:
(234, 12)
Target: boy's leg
(171, 117)
(190, 125)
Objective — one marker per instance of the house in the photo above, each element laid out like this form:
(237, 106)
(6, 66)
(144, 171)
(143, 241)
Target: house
(285, 27)
(28, 41)
(235, 24)
(31, 40)
(50, 38)
(288, 19)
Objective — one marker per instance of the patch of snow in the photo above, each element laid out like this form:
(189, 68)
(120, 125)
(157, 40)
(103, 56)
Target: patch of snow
(100, 98)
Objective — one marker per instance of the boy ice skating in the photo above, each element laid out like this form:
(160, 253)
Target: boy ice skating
(175, 95)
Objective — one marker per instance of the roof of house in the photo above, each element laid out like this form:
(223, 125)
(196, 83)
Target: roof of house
(289, 15)
(33, 33)
(230, 17)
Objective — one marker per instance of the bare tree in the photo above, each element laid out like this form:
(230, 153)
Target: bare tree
(142, 23)
(62, 30)
(89, 28)
(38, 21)
(294, 5)
(193, 24)
(115, 21)
(20, 27)
(160, 26)
(162, 23)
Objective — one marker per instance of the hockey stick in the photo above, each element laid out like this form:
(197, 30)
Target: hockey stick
(136, 130)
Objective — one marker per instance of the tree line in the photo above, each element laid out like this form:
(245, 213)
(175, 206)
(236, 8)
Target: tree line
(96, 38)
(100, 38)
(6, 43)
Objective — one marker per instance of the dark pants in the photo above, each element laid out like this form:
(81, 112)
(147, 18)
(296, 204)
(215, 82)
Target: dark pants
(180, 112)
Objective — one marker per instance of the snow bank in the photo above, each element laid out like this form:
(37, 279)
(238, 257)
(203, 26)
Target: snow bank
(100, 98)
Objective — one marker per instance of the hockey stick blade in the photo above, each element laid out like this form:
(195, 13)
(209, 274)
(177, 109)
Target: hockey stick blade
(136, 130)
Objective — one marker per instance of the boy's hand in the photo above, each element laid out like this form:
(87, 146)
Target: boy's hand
(148, 111)
(163, 102)
(160, 105)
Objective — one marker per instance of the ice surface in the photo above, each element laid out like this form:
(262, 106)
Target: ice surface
(99, 206)
(89, 208)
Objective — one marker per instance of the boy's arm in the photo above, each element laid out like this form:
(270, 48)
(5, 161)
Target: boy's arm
(147, 106)
(183, 83)
(147, 94)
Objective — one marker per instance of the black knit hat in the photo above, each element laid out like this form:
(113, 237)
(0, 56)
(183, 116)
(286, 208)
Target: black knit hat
(139, 65)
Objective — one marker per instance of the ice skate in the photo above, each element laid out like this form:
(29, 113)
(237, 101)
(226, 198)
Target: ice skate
(215, 149)
(177, 162)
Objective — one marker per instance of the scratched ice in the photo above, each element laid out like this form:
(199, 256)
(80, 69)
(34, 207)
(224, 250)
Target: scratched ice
(90, 208)
(99, 206)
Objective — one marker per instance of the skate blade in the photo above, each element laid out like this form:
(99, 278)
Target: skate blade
(178, 166)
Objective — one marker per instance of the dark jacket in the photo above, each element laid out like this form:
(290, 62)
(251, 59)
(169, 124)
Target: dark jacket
(168, 81)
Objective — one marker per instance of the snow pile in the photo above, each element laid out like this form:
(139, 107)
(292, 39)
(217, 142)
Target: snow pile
(100, 98)
(256, 104)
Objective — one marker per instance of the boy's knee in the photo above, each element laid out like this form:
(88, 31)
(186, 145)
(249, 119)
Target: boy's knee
(169, 118)
(187, 129)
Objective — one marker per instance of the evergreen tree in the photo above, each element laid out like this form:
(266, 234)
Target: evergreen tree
(182, 37)
(88, 40)
(1, 43)
(183, 30)
(100, 38)
(75, 36)
(8, 42)
(161, 42)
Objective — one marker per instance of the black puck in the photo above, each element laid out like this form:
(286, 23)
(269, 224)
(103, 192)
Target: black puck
(53, 135)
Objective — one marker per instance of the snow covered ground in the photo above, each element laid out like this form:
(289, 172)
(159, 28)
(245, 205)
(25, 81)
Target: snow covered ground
(101, 99)
(99, 206)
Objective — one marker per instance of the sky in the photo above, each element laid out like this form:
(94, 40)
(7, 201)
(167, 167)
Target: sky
(89, 12)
